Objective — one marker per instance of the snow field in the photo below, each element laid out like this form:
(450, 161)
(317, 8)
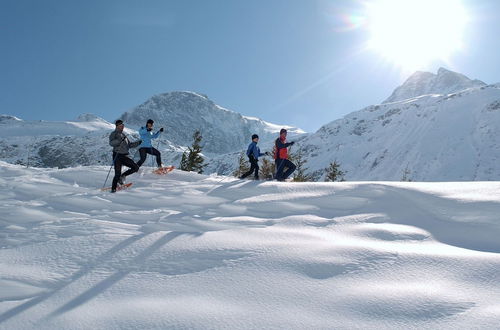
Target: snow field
(210, 252)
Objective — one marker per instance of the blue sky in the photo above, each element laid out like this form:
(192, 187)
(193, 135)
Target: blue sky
(296, 62)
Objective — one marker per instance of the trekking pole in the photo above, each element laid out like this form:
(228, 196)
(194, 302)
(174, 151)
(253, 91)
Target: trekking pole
(107, 176)
(157, 146)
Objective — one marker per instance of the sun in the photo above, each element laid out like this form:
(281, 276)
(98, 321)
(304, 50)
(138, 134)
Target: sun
(413, 33)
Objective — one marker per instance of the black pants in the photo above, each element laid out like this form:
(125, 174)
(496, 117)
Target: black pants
(254, 166)
(281, 164)
(151, 151)
(120, 160)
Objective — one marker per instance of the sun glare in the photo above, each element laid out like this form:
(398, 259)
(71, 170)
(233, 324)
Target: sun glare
(413, 33)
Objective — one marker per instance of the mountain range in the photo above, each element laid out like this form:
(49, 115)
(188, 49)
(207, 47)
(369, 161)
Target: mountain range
(84, 141)
(434, 127)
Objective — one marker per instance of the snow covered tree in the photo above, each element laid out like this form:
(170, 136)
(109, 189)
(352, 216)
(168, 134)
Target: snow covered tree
(192, 159)
(334, 173)
(267, 169)
(242, 165)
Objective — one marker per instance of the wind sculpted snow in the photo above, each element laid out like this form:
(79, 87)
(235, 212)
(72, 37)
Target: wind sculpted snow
(211, 252)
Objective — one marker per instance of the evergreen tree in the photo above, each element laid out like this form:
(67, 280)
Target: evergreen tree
(242, 165)
(192, 159)
(267, 169)
(406, 174)
(300, 172)
(334, 173)
(184, 161)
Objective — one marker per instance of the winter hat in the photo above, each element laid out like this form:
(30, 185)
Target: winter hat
(118, 122)
(255, 136)
(283, 131)
(150, 121)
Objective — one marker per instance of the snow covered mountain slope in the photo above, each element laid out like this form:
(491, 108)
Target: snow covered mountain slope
(438, 137)
(55, 144)
(181, 113)
(424, 83)
(85, 141)
(188, 251)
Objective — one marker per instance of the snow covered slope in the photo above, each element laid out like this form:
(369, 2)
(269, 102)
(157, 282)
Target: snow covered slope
(55, 144)
(199, 252)
(437, 137)
(435, 127)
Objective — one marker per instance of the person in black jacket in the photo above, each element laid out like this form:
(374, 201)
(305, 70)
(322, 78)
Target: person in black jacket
(121, 144)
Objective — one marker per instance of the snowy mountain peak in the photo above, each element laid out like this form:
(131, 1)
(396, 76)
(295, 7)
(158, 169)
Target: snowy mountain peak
(423, 83)
(8, 118)
(166, 107)
(432, 137)
(181, 113)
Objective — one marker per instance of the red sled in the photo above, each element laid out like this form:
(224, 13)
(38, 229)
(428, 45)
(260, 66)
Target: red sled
(163, 170)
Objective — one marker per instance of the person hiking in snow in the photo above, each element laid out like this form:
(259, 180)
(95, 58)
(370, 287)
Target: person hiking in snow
(146, 147)
(121, 144)
(253, 153)
(281, 157)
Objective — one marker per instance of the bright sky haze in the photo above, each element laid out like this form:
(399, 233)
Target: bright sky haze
(296, 62)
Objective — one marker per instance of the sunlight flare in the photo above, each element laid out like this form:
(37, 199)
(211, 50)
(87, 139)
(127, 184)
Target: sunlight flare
(411, 34)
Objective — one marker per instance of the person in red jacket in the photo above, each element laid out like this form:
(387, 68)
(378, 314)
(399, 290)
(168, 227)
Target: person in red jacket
(281, 157)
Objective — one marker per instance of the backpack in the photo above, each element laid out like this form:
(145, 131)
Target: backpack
(275, 149)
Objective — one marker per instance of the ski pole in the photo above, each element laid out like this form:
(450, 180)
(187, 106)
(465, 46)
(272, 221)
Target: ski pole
(157, 146)
(107, 176)
(152, 159)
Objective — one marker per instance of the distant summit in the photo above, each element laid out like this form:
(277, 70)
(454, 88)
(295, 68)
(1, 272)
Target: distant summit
(424, 83)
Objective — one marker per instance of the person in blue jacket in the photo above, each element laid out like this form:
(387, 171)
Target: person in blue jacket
(253, 153)
(146, 147)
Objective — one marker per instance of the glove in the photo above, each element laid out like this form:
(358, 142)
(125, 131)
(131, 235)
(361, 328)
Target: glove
(292, 143)
(161, 129)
